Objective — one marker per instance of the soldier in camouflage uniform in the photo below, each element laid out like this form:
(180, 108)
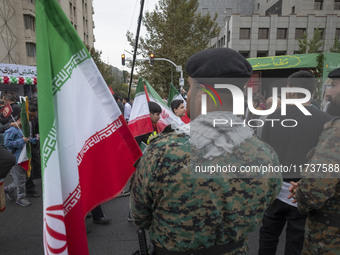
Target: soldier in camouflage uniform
(320, 197)
(186, 215)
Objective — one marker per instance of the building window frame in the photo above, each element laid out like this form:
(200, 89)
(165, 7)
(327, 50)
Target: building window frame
(322, 31)
(299, 33)
(336, 4)
(262, 54)
(318, 5)
(29, 22)
(244, 33)
(31, 50)
(337, 33)
(245, 53)
(263, 33)
(280, 53)
(281, 33)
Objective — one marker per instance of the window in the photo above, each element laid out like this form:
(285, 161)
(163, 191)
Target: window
(71, 9)
(337, 33)
(293, 10)
(280, 53)
(275, 9)
(74, 13)
(31, 1)
(322, 32)
(258, 6)
(29, 22)
(299, 32)
(263, 33)
(30, 50)
(318, 4)
(244, 33)
(261, 54)
(245, 54)
(336, 4)
(281, 33)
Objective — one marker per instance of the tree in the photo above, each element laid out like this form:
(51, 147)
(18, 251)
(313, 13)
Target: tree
(336, 46)
(104, 68)
(313, 45)
(111, 78)
(174, 31)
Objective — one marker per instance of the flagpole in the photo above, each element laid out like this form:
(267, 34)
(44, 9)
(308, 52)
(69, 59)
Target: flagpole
(16, 124)
(136, 45)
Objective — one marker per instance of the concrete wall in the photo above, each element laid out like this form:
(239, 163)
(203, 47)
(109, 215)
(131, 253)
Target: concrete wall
(14, 35)
(272, 44)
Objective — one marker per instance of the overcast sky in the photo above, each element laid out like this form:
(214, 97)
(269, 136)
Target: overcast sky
(112, 20)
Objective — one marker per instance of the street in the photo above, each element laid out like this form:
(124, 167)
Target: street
(21, 230)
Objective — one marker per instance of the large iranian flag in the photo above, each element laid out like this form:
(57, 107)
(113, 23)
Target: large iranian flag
(140, 122)
(87, 149)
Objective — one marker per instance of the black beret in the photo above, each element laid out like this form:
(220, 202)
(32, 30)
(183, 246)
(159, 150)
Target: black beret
(218, 63)
(334, 74)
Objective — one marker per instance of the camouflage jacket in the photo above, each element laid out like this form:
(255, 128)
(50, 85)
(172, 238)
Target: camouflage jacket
(184, 213)
(323, 194)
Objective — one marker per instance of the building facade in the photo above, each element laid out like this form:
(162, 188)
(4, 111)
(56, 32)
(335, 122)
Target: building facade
(225, 8)
(276, 25)
(17, 28)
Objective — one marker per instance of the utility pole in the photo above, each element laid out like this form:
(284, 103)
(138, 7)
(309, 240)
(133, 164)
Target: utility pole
(178, 68)
(136, 44)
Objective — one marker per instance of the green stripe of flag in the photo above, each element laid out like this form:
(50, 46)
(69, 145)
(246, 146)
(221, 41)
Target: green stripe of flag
(59, 51)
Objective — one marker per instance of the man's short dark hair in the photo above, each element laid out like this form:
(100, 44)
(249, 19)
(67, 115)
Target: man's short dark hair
(175, 104)
(302, 79)
(154, 108)
(127, 99)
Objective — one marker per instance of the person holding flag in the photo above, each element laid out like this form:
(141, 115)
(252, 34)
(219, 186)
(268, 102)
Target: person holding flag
(173, 103)
(11, 109)
(155, 111)
(87, 154)
(16, 142)
(140, 121)
(178, 107)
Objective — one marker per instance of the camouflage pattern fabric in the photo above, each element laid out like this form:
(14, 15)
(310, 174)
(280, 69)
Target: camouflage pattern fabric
(322, 195)
(184, 213)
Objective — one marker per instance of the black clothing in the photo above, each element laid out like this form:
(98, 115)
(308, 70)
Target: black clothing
(274, 220)
(97, 213)
(292, 144)
(212, 63)
(7, 161)
(121, 107)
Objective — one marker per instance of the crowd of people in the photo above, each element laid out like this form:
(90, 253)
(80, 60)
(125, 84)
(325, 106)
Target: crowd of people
(208, 215)
(186, 215)
(12, 145)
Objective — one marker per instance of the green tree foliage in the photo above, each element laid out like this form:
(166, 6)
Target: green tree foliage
(174, 31)
(112, 79)
(104, 68)
(336, 46)
(313, 45)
